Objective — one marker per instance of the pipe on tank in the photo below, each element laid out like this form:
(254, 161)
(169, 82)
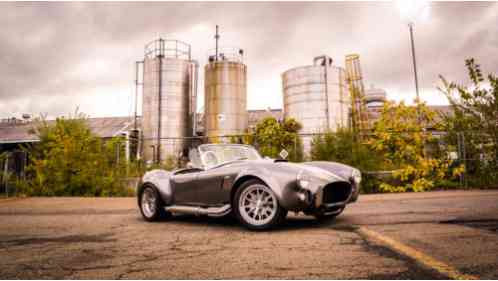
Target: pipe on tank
(326, 61)
(159, 103)
(137, 83)
(217, 37)
(194, 71)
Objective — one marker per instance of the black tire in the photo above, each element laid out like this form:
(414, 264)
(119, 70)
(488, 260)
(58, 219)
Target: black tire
(278, 216)
(327, 218)
(158, 212)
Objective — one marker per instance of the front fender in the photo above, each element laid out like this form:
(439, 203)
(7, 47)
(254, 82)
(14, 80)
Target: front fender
(161, 180)
(281, 183)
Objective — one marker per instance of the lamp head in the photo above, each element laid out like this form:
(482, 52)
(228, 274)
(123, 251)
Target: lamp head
(412, 11)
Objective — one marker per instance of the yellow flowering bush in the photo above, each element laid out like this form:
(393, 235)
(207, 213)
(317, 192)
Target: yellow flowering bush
(400, 135)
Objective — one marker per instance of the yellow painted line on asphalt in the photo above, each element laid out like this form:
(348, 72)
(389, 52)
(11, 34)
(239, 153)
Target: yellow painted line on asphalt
(418, 256)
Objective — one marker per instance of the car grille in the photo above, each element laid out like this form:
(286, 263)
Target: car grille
(336, 192)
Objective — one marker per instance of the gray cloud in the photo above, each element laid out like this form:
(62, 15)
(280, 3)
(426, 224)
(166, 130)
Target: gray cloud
(56, 56)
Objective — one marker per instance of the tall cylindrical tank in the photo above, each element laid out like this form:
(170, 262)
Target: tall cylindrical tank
(317, 97)
(375, 97)
(225, 99)
(169, 97)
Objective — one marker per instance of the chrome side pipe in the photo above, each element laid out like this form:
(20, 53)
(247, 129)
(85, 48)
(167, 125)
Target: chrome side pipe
(198, 211)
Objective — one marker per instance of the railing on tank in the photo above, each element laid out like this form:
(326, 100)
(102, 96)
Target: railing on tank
(167, 49)
(226, 54)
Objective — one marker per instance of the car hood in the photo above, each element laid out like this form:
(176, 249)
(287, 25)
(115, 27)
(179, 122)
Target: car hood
(341, 170)
(325, 171)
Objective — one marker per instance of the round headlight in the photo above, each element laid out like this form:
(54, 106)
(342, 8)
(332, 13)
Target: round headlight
(303, 180)
(356, 176)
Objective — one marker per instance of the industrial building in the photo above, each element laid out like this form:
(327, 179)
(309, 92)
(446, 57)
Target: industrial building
(322, 96)
(15, 133)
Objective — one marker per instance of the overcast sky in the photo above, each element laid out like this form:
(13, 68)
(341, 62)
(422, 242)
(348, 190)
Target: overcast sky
(55, 57)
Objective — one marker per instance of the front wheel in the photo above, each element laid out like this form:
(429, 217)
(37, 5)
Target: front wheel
(256, 206)
(151, 205)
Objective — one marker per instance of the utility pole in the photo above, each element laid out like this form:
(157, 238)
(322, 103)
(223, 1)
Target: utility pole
(410, 27)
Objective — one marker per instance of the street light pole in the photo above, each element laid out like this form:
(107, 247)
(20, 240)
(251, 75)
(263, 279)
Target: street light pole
(410, 27)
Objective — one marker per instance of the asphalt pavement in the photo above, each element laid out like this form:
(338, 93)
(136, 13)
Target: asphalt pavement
(434, 235)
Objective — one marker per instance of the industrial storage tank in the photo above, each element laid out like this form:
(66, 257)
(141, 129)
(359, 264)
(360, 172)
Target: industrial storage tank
(375, 97)
(225, 99)
(169, 99)
(317, 97)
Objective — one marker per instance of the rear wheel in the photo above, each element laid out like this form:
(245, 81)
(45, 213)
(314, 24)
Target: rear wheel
(256, 206)
(151, 205)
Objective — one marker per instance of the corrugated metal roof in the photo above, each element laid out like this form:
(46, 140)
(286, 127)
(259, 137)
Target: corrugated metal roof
(107, 127)
(254, 116)
(104, 127)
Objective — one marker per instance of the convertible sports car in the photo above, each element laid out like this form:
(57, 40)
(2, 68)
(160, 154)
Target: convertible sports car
(230, 178)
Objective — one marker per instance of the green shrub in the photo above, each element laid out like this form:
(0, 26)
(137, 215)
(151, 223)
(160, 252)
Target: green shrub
(472, 125)
(271, 136)
(70, 160)
(342, 146)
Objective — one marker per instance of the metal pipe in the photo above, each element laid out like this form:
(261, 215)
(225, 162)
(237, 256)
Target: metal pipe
(159, 103)
(325, 63)
(193, 106)
(5, 175)
(217, 37)
(410, 27)
(118, 148)
(327, 95)
(341, 98)
(212, 211)
(137, 66)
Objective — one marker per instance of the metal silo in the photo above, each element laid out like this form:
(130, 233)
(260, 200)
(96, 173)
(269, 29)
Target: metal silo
(225, 98)
(169, 99)
(317, 97)
(375, 99)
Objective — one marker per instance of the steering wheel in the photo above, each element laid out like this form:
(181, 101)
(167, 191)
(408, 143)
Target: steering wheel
(209, 159)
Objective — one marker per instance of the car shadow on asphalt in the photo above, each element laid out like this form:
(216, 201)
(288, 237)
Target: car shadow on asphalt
(291, 223)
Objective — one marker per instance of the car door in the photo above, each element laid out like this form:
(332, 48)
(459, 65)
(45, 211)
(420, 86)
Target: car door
(213, 185)
(184, 188)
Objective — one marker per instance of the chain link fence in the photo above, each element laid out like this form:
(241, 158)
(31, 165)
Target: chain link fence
(474, 150)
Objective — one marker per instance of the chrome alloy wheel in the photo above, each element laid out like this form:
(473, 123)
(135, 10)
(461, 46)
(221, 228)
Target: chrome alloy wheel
(258, 205)
(149, 202)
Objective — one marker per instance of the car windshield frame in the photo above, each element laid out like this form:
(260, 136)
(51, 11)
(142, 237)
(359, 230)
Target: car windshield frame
(226, 153)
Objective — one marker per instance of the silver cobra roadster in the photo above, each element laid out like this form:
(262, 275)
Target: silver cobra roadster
(223, 179)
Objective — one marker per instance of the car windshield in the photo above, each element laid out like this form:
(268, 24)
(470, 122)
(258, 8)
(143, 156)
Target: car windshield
(216, 154)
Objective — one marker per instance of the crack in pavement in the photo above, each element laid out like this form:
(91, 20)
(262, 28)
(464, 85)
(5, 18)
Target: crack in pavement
(99, 238)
